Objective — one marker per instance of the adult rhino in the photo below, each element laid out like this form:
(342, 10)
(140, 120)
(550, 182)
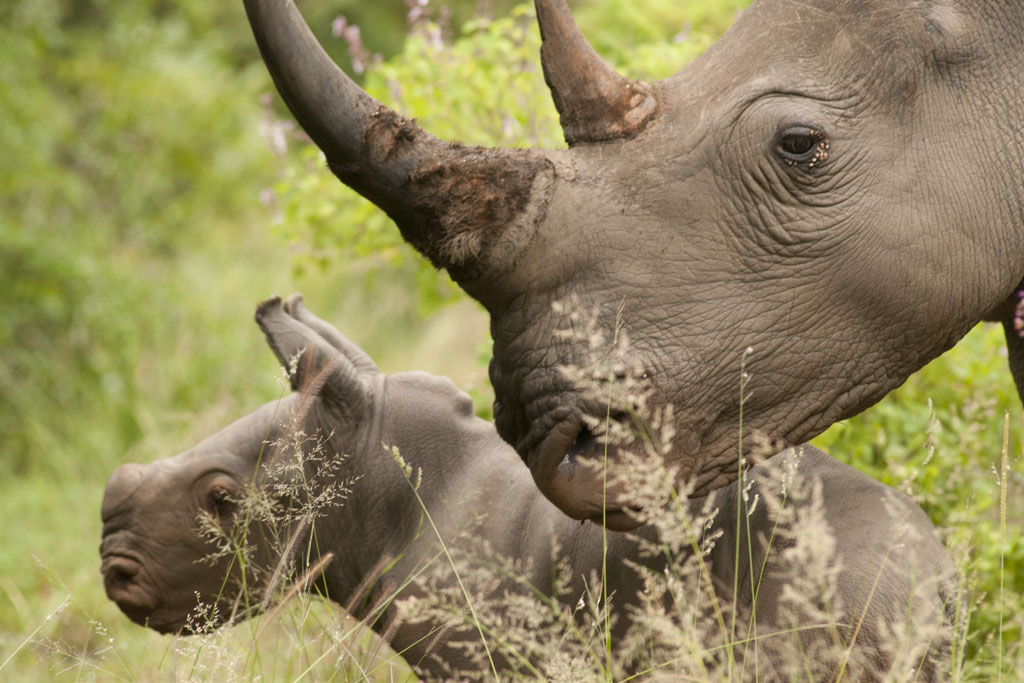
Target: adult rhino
(835, 185)
(889, 606)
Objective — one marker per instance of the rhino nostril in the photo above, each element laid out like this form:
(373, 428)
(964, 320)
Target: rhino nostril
(584, 441)
(125, 573)
(122, 581)
(119, 571)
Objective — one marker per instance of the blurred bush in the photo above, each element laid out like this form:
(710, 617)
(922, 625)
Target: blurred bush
(133, 245)
(124, 140)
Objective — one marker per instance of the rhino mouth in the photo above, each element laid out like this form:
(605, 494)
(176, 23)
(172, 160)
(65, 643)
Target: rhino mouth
(619, 519)
(125, 584)
(568, 472)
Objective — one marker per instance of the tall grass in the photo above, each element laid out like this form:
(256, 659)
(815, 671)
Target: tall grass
(550, 636)
(132, 245)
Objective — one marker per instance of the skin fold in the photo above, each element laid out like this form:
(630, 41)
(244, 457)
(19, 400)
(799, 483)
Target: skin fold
(829, 197)
(344, 408)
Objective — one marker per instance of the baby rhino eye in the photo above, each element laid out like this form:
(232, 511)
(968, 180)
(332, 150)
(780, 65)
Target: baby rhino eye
(220, 495)
(802, 145)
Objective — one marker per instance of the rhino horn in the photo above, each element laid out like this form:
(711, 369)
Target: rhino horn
(594, 102)
(451, 202)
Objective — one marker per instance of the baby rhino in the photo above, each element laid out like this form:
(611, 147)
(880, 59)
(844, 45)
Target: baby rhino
(310, 486)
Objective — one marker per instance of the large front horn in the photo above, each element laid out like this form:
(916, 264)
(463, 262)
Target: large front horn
(594, 102)
(450, 202)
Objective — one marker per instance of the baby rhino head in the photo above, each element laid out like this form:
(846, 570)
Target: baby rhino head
(160, 551)
(202, 538)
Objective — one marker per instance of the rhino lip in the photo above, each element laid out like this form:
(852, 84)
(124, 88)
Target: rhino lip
(562, 470)
(617, 519)
(123, 582)
(613, 517)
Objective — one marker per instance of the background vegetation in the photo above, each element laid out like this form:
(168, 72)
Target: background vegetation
(151, 193)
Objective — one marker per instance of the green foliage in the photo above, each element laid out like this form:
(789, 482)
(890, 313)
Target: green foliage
(133, 250)
(655, 38)
(383, 24)
(119, 153)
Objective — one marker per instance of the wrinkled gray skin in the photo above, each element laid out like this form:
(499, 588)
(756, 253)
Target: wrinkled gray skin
(151, 550)
(835, 184)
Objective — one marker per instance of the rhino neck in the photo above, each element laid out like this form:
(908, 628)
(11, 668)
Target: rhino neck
(467, 480)
(364, 530)
(472, 485)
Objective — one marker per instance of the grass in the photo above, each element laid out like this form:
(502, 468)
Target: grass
(57, 621)
(189, 334)
(128, 312)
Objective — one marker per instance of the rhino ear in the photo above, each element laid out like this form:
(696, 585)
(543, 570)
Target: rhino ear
(359, 358)
(315, 367)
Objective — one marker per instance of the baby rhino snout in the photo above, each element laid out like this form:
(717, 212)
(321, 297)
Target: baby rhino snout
(121, 580)
(123, 573)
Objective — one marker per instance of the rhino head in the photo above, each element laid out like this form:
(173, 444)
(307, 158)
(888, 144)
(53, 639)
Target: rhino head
(834, 185)
(186, 545)
(157, 565)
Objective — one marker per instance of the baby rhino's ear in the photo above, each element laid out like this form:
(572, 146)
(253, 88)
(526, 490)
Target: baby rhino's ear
(359, 358)
(314, 366)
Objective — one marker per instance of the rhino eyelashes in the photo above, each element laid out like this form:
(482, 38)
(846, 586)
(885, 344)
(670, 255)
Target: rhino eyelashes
(803, 145)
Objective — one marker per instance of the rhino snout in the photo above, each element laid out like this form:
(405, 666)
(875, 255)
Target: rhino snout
(123, 582)
(568, 472)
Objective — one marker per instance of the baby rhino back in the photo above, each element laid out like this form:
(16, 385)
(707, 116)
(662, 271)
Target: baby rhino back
(850, 568)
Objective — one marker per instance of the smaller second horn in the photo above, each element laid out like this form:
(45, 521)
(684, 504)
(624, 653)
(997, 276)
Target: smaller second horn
(594, 102)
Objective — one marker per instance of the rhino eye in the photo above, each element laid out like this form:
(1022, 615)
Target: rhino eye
(220, 499)
(802, 145)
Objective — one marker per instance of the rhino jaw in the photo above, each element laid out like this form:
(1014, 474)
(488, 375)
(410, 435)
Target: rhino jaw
(126, 584)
